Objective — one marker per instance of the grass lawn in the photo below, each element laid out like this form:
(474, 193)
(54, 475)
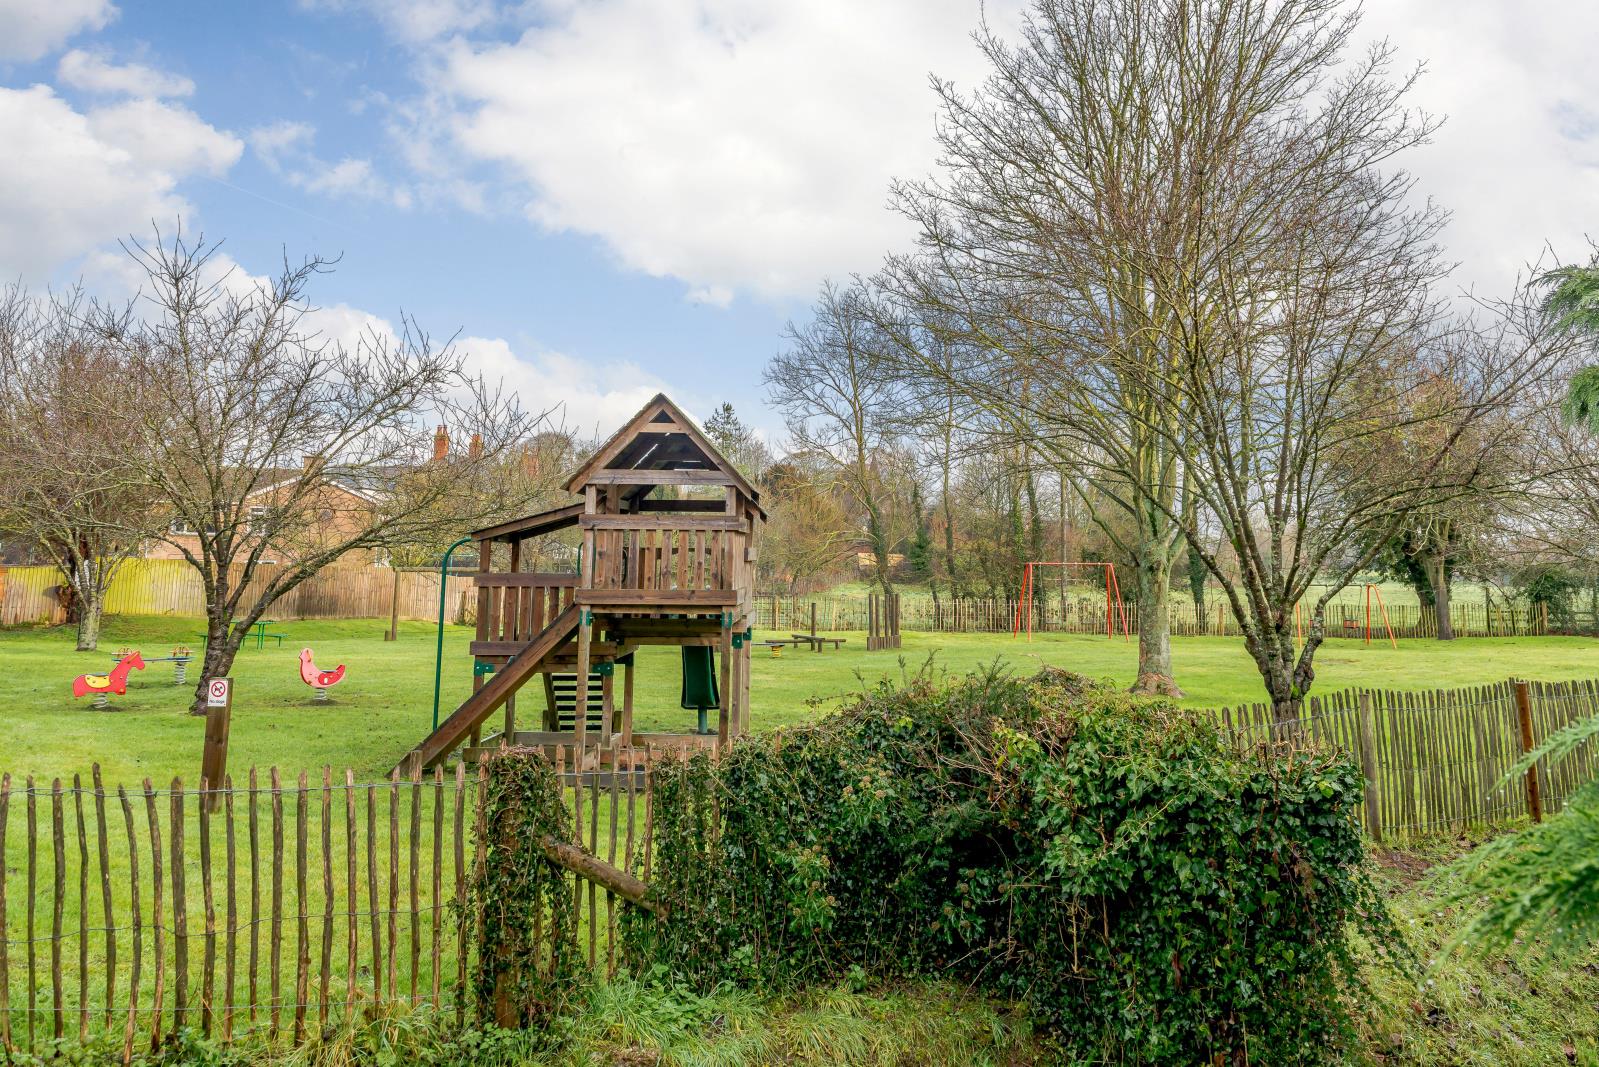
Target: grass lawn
(1462, 1012)
(384, 705)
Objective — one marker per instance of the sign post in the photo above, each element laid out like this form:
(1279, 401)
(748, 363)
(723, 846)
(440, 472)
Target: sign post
(218, 716)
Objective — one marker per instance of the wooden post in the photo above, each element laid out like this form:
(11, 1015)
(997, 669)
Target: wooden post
(1524, 714)
(627, 704)
(725, 653)
(394, 606)
(580, 705)
(1368, 768)
(214, 760)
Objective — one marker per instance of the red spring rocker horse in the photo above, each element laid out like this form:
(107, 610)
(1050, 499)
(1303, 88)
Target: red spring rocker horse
(318, 680)
(102, 684)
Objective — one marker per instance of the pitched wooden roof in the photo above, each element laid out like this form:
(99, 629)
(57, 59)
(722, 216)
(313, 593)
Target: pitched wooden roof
(661, 437)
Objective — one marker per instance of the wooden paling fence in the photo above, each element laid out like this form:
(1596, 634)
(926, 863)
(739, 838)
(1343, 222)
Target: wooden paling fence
(1433, 760)
(172, 587)
(1086, 615)
(281, 911)
(276, 911)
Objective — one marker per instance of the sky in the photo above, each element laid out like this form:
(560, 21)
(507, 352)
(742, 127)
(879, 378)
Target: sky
(607, 198)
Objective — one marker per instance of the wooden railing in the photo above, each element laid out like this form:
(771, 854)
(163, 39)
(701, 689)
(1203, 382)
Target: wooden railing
(515, 607)
(652, 554)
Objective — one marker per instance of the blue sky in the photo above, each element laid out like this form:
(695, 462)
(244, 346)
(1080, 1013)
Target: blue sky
(609, 197)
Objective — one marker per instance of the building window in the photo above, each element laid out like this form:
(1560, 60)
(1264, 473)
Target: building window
(258, 514)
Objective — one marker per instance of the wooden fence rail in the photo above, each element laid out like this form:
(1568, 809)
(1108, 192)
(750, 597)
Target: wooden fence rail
(129, 914)
(293, 907)
(1434, 759)
(1087, 616)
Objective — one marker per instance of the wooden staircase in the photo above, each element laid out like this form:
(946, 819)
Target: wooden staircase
(500, 687)
(564, 687)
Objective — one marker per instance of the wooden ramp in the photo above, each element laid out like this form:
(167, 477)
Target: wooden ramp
(501, 685)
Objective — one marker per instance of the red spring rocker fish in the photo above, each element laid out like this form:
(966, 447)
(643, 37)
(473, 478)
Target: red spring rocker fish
(318, 680)
(115, 682)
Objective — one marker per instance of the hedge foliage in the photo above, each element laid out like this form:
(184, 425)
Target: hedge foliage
(1157, 894)
(518, 904)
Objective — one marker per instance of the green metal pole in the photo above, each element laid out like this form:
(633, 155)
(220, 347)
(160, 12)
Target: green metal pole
(438, 658)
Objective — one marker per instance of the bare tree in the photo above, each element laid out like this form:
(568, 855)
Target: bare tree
(1062, 195)
(807, 534)
(70, 405)
(1170, 225)
(264, 441)
(838, 403)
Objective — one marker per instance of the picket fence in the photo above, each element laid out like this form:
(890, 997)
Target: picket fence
(785, 613)
(1433, 760)
(172, 587)
(278, 911)
(281, 911)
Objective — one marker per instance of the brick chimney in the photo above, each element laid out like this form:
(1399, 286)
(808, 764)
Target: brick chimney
(475, 450)
(441, 443)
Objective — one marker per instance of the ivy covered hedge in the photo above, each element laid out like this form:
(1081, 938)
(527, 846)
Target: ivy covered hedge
(1119, 865)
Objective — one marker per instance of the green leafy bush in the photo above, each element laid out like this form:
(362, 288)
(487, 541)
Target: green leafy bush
(519, 907)
(1158, 894)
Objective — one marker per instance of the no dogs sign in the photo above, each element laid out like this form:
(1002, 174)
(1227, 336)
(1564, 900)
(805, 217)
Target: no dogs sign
(217, 692)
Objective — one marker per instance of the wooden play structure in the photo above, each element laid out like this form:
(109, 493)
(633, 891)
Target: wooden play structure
(882, 621)
(669, 530)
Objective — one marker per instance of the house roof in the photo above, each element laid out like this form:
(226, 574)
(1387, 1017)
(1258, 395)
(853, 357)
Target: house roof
(661, 437)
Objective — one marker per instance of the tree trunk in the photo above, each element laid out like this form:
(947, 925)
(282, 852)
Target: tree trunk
(221, 646)
(1438, 575)
(1286, 671)
(1154, 623)
(879, 540)
(89, 611)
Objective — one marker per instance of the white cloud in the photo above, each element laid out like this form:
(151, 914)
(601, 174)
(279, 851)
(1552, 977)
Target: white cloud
(166, 137)
(277, 140)
(1517, 160)
(288, 149)
(742, 146)
(94, 73)
(588, 396)
(72, 181)
(733, 144)
(30, 29)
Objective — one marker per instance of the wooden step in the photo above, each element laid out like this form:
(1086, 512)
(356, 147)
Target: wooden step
(565, 689)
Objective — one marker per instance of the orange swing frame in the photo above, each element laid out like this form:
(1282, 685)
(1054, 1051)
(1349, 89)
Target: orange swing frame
(1113, 597)
(1382, 610)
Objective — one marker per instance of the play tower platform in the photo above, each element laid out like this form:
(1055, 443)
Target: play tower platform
(668, 539)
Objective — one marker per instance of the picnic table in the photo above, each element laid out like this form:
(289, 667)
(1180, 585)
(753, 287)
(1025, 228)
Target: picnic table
(259, 633)
(816, 641)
